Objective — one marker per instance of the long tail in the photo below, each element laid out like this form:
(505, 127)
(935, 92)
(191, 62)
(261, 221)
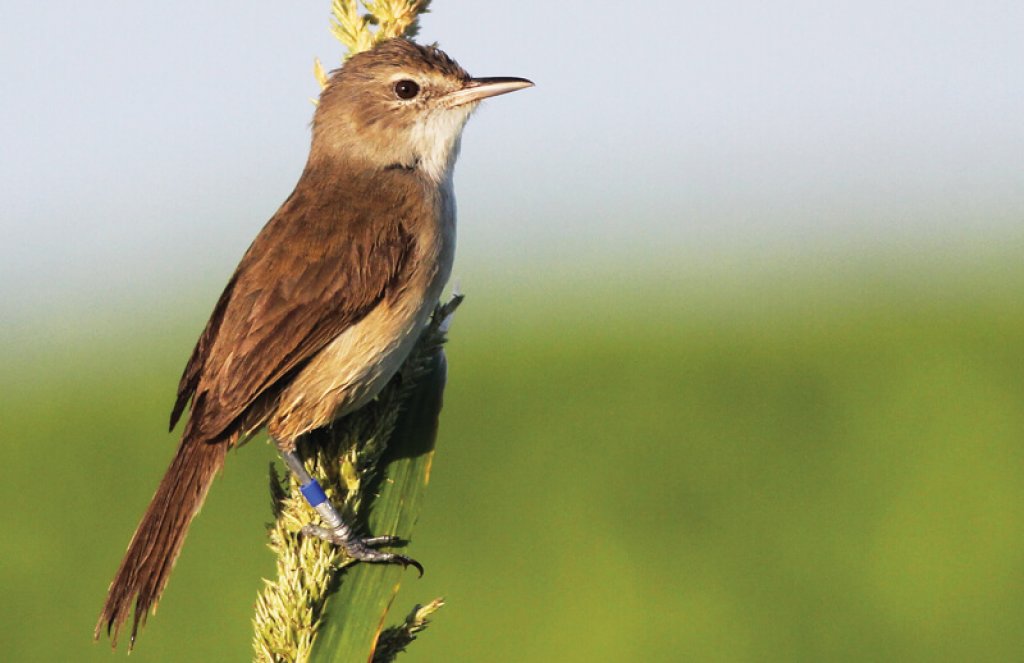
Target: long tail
(157, 541)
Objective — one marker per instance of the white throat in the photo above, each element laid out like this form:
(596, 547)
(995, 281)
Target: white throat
(436, 139)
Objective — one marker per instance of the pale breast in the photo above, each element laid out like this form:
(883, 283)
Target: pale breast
(353, 368)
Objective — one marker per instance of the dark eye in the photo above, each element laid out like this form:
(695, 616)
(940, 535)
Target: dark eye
(406, 89)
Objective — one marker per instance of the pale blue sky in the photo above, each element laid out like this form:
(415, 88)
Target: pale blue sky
(145, 143)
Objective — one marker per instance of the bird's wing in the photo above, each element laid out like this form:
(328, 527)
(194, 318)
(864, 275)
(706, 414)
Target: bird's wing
(193, 369)
(320, 265)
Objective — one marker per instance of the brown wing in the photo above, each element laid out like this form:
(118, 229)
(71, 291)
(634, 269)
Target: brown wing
(322, 263)
(190, 378)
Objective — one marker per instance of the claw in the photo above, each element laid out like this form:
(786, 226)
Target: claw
(361, 549)
(407, 562)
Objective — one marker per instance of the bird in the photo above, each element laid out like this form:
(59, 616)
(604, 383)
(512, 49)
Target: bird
(326, 303)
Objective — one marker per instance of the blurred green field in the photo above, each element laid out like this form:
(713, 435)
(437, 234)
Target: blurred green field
(793, 468)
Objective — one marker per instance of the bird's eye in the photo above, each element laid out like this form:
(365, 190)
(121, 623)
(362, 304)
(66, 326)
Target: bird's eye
(406, 89)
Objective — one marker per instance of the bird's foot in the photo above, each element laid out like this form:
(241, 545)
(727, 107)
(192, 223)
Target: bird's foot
(363, 550)
(336, 531)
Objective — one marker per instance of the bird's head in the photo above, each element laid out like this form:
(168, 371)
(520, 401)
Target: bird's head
(400, 105)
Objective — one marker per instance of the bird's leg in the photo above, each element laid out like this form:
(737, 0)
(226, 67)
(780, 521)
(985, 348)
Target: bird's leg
(336, 531)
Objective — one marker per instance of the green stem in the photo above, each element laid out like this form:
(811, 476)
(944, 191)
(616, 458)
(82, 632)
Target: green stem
(355, 615)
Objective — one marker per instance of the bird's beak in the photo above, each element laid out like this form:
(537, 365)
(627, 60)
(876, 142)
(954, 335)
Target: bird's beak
(476, 89)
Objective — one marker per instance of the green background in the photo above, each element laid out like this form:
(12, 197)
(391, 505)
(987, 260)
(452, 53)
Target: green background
(739, 376)
(802, 463)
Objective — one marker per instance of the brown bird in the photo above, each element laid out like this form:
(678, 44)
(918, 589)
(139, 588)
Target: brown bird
(327, 302)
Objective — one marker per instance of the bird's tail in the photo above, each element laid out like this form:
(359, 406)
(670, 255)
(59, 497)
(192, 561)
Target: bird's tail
(157, 541)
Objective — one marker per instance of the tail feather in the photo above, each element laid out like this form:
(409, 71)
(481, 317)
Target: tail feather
(154, 548)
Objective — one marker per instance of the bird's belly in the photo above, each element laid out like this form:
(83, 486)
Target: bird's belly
(352, 369)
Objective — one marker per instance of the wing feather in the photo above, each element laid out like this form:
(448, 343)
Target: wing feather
(321, 264)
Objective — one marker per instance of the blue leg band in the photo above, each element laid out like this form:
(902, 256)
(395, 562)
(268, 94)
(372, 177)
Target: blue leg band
(313, 493)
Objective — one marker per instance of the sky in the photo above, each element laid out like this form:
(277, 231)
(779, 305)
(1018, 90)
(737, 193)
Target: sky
(145, 144)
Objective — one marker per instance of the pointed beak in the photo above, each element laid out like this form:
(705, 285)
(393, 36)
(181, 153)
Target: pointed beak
(476, 89)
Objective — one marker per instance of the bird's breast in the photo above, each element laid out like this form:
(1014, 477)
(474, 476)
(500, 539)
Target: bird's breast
(353, 368)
